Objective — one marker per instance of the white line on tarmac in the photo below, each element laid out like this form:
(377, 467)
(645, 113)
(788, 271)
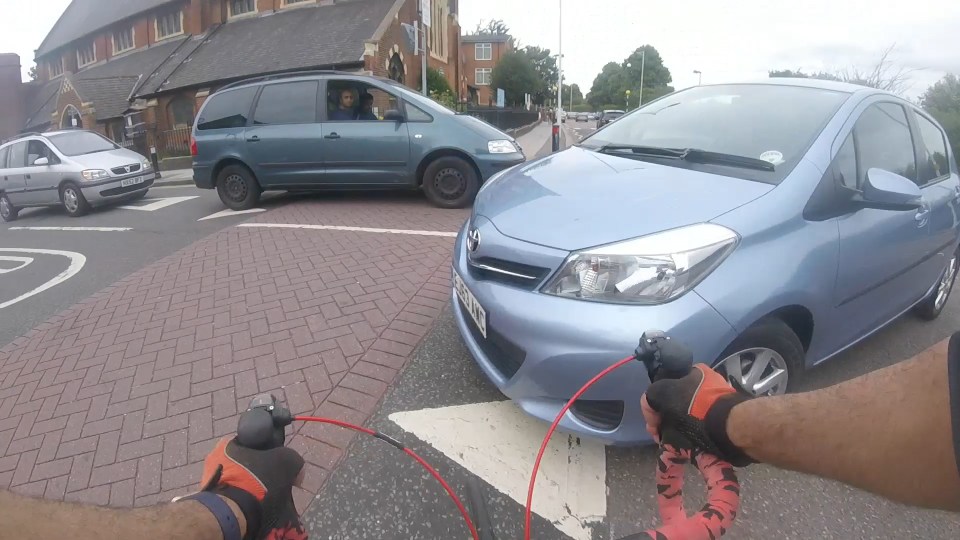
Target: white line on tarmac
(80, 229)
(76, 263)
(10, 258)
(158, 204)
(345, 228)
(225, 213)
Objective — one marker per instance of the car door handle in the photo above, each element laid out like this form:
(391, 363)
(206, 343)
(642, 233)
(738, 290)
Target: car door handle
(956, 193)
(333, 135)
(922, 214)
(253, 139)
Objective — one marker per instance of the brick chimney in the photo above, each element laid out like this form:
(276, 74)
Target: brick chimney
(11, 98)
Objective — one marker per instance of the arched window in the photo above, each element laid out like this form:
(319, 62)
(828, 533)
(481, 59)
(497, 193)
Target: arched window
(180, 112)
(396, 68)
(70, 118)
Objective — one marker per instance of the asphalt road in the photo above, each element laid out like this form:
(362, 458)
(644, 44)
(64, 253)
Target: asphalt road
(109, 255)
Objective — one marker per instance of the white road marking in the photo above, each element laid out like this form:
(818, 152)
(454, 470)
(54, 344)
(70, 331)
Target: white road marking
(76, 264)
(345, 228)
(225, 213)
(75, 229)
(498, 442)
(157, 204)
(22, 260)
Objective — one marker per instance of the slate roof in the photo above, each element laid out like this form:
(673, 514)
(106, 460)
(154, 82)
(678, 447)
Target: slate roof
(301, 38)
(42, 104)
(485, 38)
(110, 95)
(85, 17)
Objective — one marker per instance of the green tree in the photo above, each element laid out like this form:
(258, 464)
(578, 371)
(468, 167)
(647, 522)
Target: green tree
(517, 76)
(33, 73)
(942, 100)
(884, 74)
(577, 95)
(546, 67)
(436, 82)
(495, 27)
(611, 85)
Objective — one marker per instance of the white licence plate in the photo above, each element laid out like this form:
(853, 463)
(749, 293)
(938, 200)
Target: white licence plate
(131, 181)
(476, 311)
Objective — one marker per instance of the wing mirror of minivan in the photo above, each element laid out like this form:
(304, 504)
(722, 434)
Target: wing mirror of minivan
(393, 115)
(885, 190)
(41, 162)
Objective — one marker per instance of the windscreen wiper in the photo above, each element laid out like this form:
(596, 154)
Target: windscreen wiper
(694, 155)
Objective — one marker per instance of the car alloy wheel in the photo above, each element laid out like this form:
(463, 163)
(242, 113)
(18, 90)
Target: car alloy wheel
(759, 371)
(946, 283)
(71, 201)
(450, 183)
(236, 187)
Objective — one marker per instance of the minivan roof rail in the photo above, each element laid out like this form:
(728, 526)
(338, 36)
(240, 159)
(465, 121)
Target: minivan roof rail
(287, 75)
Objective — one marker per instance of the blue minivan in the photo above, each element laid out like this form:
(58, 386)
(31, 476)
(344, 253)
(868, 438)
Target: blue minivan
(334, 130)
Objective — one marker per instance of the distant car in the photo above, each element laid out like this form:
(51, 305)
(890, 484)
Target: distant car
(336, 130)
(582, 117)
(767, 226)
(608, 116)
(76, 169)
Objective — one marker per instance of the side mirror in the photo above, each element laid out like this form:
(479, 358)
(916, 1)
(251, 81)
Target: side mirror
(393, 115)
(41, 162)
(885, 190)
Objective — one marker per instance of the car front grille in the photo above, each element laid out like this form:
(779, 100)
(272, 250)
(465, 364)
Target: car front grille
(512, 273)
(505, 356)
(605, 415)
(126, 169)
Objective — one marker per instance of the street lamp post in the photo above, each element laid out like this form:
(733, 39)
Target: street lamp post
(643, 64)
(699, 75)
(556, 125)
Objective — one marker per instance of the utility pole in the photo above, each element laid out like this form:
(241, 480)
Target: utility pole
(643, 63)
(556, 125)
(423, 52)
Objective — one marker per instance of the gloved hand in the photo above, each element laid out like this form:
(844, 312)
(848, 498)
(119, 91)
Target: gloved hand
(267, 477)
(691, 413)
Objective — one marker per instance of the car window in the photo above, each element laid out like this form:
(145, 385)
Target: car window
(18, 155)
(227, 110)
(845, 163)
(287, 103)
(37, 150)
(934, 153)
(357, 101)
(775, 123)
(78, 143)
(883, 137)
(4, 153)
(415, 114)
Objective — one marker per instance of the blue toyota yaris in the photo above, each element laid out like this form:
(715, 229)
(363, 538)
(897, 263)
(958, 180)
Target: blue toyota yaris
(768, 226)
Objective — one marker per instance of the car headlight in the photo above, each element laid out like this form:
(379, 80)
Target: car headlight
(146, 165)
(501, 147)
(647, 270)
(94, 174)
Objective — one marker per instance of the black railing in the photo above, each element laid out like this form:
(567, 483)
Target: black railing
(504, 118)
(174, 143)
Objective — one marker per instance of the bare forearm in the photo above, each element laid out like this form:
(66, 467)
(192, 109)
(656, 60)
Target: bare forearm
(887, 432)
(24, 517)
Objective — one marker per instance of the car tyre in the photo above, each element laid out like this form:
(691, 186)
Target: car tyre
(768, 352)
(930, 307)
(8, 212)
(74, 203)
(238, 188)
(450, 182)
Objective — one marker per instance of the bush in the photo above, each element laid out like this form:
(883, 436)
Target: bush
(436, 83)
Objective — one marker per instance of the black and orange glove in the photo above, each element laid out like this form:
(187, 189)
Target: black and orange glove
(261, 483)
(691, 413)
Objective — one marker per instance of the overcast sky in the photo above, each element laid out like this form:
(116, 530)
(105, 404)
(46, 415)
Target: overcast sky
(725, 40)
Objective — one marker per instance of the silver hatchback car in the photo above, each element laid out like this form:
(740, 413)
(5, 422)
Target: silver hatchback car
(76, 169)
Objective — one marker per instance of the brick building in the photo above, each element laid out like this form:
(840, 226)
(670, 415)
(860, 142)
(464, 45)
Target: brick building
(481, 53)
(138, 70)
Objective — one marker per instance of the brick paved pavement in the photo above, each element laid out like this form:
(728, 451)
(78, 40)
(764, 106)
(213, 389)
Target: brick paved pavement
(117, 399)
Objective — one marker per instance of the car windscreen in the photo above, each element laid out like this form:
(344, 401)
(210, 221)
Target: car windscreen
(81, 142)
(774, 123)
